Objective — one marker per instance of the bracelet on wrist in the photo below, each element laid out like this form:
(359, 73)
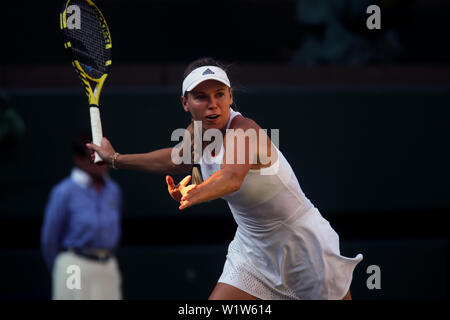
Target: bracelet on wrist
(114, 160)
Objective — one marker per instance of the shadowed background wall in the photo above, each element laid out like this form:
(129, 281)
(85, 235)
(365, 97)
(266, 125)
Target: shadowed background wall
(363, 119)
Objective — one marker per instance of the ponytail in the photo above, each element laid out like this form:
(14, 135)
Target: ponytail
(197, 177)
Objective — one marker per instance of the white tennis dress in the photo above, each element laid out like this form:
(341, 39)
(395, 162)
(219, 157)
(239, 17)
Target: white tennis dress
(283, 248)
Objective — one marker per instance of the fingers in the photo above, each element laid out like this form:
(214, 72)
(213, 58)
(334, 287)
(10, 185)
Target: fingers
(93, 147)
(187, 200)
(169, 181)
(170, 184)
(105, 150)
(185, 181)
(184, 205)
(185, 191)
(105, 143)
(180, 188)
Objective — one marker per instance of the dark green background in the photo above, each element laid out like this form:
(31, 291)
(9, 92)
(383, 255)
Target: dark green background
(353, 152)
(363, 118)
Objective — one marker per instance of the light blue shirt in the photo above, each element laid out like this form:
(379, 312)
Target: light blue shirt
(78, 215)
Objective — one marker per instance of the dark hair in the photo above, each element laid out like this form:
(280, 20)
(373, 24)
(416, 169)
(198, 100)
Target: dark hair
(79, 144)
(205, 61)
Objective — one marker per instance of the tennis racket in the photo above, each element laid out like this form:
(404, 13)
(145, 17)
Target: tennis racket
(88, 41)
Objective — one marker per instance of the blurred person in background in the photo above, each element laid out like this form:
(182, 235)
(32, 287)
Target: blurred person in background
(81, 229)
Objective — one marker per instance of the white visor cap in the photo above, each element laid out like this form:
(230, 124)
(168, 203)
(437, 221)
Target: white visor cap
(202, 74)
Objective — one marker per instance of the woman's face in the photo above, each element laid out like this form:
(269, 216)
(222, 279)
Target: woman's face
(209, 102)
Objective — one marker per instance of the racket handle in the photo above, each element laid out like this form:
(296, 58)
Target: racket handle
(96, 127)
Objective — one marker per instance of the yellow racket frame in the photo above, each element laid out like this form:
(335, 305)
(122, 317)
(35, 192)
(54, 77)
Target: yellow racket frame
(93, 94)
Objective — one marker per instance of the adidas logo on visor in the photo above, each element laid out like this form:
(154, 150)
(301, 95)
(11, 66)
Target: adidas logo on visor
(207, 71)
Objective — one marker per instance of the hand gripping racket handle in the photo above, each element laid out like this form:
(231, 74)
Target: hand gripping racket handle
(96, 127)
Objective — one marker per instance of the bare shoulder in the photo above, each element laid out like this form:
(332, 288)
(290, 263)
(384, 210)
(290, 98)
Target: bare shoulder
(265, 151)
(241, 122)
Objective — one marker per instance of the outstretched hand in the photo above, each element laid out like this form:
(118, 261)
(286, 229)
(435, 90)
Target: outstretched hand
(180, 192)
(105, 150)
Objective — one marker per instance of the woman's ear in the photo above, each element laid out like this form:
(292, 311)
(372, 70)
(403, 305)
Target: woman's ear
(184, 103)
(231, 96)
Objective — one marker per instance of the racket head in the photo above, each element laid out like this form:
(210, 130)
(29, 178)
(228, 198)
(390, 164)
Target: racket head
(88, 41)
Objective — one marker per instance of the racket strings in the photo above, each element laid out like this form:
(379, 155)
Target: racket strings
(88, 42)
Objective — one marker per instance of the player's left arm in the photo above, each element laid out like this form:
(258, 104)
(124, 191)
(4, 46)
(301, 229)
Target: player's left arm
(232, 173)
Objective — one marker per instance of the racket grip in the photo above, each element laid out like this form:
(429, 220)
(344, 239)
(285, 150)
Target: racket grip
(96, 127)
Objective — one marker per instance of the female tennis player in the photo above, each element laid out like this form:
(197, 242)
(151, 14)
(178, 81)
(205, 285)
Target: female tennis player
(283, 248)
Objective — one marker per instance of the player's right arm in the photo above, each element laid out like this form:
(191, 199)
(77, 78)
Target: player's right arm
(158, 161)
